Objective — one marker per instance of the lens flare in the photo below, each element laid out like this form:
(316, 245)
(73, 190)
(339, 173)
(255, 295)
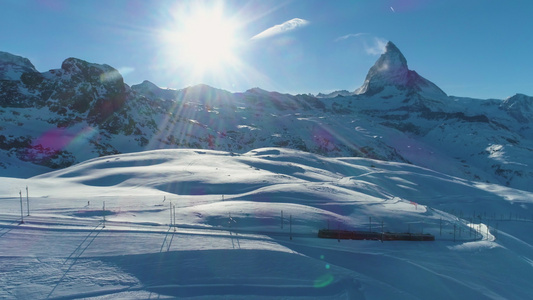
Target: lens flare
(323, 281)
(59, 139)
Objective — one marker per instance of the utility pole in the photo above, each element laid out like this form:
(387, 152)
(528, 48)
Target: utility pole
(170, 204)
(21, 210)
(454, 226)
(230, 221)
(382, 231)
(174, 217)
(28, 201)
(290, 226)
(103, 213)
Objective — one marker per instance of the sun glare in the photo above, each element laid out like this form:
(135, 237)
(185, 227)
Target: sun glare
(203, 40)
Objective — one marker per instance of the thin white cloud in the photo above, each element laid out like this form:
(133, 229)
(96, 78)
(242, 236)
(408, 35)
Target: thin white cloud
(125, 70)
(351, 35)
(376, 47)
(370, 44)
(281, 28)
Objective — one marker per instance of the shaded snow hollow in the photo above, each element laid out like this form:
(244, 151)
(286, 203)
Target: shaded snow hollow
(245, 226)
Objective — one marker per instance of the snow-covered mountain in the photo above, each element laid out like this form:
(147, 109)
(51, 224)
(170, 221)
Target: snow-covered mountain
(61, 117)
(13, 66)
(390, 74)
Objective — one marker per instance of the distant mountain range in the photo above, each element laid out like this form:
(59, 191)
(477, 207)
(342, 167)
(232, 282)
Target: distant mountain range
(54, 119)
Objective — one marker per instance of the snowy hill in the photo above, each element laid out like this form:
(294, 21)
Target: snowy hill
(245, 226)
(83, 110)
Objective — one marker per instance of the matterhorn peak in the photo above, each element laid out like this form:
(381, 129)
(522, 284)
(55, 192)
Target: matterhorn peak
(392, 60)
(391, 70)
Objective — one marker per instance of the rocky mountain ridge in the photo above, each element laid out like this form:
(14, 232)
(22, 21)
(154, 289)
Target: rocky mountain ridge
(13, 66)
(57, 118)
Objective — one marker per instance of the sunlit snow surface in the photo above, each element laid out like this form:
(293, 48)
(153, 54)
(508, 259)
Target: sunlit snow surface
(246, 227)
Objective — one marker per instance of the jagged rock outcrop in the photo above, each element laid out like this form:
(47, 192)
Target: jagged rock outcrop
(13, 66)
(152, 91)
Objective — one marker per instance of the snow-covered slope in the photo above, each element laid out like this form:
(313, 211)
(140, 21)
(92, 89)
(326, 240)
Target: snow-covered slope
(83, 110)
(245, 226)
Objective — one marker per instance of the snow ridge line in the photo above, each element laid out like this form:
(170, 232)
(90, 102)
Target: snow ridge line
(185, 230)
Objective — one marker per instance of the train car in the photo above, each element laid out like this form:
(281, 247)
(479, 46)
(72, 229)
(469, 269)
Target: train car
(377, 236)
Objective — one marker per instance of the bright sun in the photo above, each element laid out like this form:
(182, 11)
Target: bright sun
(203, 40)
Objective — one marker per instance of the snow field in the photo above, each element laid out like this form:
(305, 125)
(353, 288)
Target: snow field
(230, 241)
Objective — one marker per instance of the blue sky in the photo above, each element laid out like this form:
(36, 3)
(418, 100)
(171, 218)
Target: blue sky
(471, 48)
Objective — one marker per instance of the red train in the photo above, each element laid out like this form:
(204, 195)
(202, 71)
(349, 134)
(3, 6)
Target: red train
(378, 236)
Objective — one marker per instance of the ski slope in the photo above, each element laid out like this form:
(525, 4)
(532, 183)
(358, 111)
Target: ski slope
(203, 224)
